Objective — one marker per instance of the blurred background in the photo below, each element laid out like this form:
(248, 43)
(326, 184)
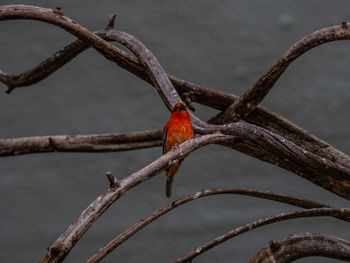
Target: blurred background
(223, 45)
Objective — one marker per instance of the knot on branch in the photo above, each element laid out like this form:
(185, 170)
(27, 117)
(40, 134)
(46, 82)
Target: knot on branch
(58, 10)
(274, 246)
(57, 248)
(345, 25)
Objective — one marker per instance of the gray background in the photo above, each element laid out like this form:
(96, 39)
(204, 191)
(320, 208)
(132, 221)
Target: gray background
(224, 45)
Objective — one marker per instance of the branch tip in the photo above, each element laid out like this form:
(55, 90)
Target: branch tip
(9, 89)
(113, 181)
(111, 21)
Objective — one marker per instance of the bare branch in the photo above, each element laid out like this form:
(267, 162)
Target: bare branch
(45, 68)
(252, 97)
(303, 245)
(81, 143)
(62, 246)
(262, 222)
(132, 230)
(50, 16)
(155, 71)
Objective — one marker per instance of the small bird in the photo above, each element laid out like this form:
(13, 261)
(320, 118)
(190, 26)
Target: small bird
(176, 131)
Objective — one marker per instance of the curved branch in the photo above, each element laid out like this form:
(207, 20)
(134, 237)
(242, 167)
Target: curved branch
(45, 68)
(132, 230)
(85, 143)
(154, 70)
(303, 245)
(62, 246)
(262, 222)
(252, 97)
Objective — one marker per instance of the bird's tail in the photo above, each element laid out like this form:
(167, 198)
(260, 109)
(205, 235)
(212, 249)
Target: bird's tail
(169, 182)
(169, 178)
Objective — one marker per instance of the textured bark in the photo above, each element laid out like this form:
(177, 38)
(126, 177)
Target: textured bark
(81, 143)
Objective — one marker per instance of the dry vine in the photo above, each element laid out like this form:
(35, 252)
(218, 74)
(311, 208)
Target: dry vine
(264, 135)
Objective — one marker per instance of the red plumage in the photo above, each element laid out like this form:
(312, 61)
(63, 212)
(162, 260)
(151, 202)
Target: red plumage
(177, 130)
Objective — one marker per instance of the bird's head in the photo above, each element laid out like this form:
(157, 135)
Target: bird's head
(180, 109)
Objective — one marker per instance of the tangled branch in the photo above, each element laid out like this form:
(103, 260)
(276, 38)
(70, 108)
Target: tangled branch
(265, 135)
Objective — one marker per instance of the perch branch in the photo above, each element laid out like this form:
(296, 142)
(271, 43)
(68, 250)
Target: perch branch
(132, 230)
(253, 96)
(303, 245)
(262, 222)
(85, 143)
(62, 246)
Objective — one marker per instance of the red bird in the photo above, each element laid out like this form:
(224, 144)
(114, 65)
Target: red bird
(177, 130)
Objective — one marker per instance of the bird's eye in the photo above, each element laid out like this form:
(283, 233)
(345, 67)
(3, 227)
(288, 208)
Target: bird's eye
(182, 107)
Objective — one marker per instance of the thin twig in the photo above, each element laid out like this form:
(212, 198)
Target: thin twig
(303, 245)
(62, 246)
(262, 222)
(81, 143)
(132, 230)
(253, 96)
